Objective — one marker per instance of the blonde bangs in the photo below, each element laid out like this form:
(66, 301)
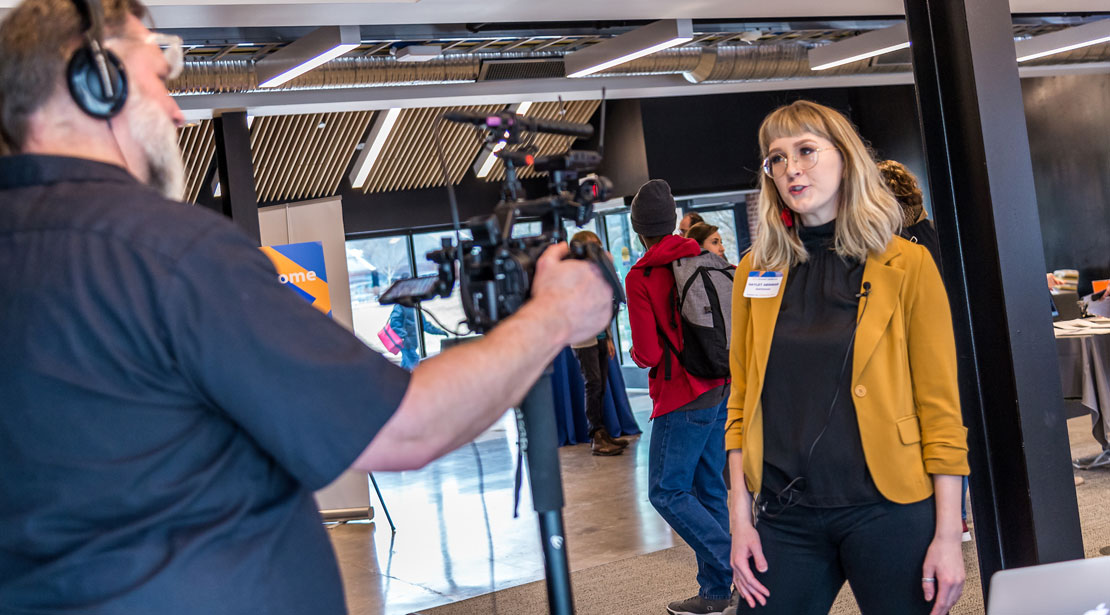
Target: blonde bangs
(791, 121)
(867, 216)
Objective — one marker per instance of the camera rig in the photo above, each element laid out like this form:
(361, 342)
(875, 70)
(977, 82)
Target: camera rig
(494, 269)
(495, 272)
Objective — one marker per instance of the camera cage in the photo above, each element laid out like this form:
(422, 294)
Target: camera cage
(493, 268)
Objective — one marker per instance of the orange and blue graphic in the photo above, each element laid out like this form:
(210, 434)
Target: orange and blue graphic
(300, 266)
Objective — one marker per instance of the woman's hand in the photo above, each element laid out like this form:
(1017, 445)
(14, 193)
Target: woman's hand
(745, 546)
(944, 562)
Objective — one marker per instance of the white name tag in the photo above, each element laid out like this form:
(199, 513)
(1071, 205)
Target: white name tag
(763, 284)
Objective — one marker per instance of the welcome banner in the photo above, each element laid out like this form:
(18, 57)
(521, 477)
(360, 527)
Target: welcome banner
(300, 266)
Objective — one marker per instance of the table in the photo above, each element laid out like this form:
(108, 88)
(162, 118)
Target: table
(1084, 356)
(570, 401)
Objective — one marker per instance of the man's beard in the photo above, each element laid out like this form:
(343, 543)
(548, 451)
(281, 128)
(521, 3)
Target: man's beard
(157, 138)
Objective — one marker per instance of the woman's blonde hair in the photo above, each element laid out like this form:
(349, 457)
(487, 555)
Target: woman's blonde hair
(867, 214)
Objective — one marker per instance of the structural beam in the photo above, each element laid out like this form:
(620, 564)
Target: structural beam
(981, 177)
(283, 102)
(233, 162)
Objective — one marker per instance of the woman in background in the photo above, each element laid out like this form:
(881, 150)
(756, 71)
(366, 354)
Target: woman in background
(593, 357)
(708, 237)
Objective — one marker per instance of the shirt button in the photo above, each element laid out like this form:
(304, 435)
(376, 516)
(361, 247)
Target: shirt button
(860, 390)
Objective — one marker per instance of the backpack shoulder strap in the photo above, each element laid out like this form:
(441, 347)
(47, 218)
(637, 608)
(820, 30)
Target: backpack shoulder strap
(669, 351)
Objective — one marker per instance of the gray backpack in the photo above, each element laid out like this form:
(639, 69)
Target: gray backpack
(703, 301)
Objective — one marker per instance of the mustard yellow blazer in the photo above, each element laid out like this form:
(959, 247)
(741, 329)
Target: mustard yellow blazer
(903, 374)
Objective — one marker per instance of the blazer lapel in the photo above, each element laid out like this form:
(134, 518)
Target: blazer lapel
(876, 309)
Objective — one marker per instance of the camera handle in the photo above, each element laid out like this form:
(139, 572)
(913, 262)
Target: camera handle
(536, 423)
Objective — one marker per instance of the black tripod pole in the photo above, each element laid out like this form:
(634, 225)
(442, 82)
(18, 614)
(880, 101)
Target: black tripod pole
(537, 412)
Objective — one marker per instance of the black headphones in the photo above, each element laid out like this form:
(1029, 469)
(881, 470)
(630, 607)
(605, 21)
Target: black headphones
(96, 79)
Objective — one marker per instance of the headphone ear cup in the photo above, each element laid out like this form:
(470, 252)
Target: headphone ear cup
(86, 85)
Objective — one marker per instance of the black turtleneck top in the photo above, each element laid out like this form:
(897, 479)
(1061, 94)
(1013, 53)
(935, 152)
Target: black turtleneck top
(807, 388)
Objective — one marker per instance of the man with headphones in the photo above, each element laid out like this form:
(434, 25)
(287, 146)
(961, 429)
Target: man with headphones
(167, 408)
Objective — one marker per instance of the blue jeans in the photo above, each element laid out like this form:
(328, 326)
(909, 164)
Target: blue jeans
(686, 460)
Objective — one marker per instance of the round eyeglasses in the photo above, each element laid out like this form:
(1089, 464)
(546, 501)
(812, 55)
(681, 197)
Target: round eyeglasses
(171, 46)
(774, 166)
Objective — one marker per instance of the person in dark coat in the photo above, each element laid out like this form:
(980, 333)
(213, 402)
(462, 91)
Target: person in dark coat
(918, 228)
(916, 225)
(403, 320)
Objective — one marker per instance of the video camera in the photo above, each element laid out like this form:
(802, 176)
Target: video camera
(495, 269)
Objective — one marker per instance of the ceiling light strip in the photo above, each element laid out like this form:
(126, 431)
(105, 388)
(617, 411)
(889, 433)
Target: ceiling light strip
(306, 53)
(856, 48)
(629, 46)
(1064, 40)
(383, 125)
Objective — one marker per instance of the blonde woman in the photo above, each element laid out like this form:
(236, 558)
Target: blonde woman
(853, 458)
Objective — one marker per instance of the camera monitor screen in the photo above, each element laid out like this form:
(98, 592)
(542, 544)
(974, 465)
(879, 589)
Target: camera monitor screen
(407, 292)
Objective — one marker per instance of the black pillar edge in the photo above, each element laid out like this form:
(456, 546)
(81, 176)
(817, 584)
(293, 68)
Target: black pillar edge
(233, 162)
(979, 167)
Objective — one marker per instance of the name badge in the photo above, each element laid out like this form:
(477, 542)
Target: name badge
(763, 284)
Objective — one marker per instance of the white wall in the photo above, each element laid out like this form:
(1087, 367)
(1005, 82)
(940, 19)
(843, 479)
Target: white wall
(322, 220)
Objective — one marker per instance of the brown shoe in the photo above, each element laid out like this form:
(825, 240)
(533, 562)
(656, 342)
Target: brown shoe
(603, 448)
(604, 433)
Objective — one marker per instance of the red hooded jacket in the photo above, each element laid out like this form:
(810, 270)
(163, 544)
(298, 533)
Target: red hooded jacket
(651, 310)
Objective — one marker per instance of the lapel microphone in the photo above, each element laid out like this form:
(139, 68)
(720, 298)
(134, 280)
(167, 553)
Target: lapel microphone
(866, 290)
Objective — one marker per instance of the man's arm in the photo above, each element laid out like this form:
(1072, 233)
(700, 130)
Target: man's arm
(429, 327)
(456, 395)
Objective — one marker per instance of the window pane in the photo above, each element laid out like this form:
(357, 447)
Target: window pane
(725, 222)
(527, 229)
(572, 229)
(626, 250)
(372, 265)
(448, 311)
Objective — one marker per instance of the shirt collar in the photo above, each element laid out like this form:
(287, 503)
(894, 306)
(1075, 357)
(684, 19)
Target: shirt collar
(25, 170)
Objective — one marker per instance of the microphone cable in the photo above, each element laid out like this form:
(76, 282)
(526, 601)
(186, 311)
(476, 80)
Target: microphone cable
(790, 490)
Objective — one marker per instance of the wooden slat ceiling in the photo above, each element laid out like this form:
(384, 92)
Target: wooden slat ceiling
(198, 145)
(576, 111)
(297, 157)
(408, 160)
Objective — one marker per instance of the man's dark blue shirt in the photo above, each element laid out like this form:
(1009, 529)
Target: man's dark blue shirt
(166, 407)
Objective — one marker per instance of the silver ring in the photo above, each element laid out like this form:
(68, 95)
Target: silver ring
(928, 579)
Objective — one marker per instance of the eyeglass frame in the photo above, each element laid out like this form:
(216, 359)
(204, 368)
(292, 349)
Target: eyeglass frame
(172, 47)
(766, 166)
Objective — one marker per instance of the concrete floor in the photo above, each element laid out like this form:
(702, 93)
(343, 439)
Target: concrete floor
(441, 552)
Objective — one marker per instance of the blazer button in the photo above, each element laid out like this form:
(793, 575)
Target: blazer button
(860, 390)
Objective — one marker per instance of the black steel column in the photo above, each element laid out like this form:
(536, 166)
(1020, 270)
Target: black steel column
(973, 124)
(233, 161)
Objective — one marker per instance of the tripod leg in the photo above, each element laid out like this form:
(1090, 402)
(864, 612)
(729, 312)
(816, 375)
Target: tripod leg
(542, 449)
(385, 509)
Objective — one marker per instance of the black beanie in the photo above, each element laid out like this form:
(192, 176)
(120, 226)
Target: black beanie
(653, 210)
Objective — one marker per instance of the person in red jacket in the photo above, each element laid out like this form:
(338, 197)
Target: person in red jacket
(686, 455)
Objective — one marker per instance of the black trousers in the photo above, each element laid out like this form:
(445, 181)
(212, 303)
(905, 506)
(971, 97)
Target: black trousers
(595, 370)
(878, 548)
